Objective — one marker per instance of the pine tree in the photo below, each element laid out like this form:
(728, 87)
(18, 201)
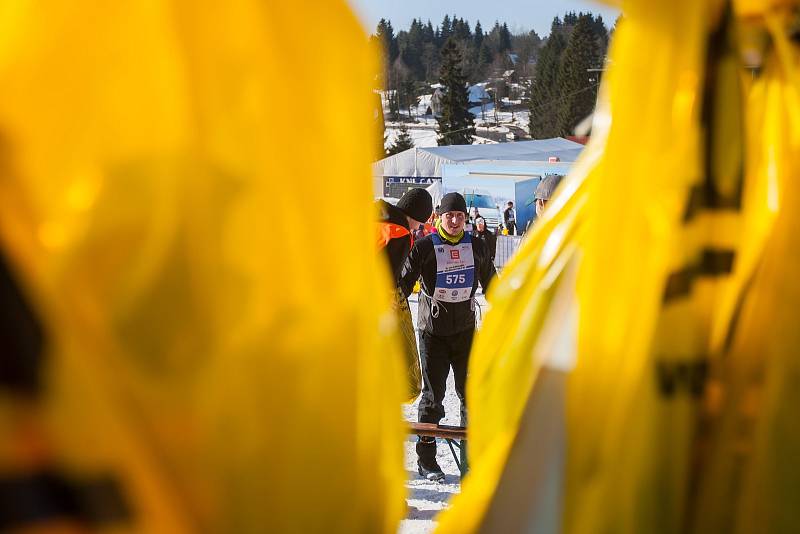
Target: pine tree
(526, 46)
(428, 35)
(402, 143)
(601, 36)
(394, 104)
(579, 93)
(456, 125)
(445, 31)
(430, 60)
(410, 46)
(484, 60)
(485, 54)
(493, 39)
(478, 39)
(408, 96)
(545, 90)
(385, 34)
(556, 25)
(379, 124)
(505, 38)
(398, 72)
(461, 30)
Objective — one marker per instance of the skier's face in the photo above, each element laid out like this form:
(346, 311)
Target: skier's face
(453, 222)
(540, 206)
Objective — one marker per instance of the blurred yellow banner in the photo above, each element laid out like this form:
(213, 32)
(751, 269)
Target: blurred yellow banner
(635, 373)
(175, 181)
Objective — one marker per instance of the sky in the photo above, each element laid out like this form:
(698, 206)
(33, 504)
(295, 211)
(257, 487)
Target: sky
(518, 14)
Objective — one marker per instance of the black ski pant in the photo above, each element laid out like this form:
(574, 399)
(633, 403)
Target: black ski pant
(438, 354)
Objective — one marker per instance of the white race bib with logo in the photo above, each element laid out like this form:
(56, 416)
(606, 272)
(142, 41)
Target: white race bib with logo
(455, 270)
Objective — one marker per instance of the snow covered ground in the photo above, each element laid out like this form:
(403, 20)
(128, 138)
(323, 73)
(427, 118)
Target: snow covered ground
(422, 138)
(520, 119)
(422, 129)
(426, 499)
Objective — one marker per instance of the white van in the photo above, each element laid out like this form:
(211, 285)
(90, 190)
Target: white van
(486, 204)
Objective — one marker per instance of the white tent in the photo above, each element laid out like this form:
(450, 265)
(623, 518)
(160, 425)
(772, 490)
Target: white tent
(435, 189)
(428, 162)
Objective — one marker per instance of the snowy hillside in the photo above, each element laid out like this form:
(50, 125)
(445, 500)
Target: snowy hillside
(491, 127)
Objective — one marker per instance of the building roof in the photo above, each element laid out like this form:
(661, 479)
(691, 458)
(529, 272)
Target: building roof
(478, 93)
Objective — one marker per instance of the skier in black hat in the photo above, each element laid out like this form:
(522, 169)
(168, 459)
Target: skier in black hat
(398, 223)
(450, 265)
(396, 228)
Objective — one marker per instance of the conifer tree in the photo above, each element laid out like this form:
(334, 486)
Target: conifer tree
(379, 125)
(402, 143)
(428, 34)
(394, 104)
(445, 31)
(478, 37)
(485, 54)
(385, 35)
(579, 93)
(483, 61)
(456, 125)
(461, 30)
(545, 89)
(408, 96)
(505, 38)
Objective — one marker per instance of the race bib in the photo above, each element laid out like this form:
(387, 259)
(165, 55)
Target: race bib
(455, 270)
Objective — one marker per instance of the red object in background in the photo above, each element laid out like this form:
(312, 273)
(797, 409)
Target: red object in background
(582, 139)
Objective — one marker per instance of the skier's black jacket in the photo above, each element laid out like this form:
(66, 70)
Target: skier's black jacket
(443, 318)
(488, 239)
(396, 249)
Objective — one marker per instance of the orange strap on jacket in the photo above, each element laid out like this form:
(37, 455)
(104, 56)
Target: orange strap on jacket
(389, 231)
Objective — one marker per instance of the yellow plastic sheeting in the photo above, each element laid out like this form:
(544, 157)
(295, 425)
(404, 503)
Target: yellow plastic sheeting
(410, 351)
(653, 271)
(166, 174)
(652, 244)
(751, 469)
(758, 8)
(612, 223)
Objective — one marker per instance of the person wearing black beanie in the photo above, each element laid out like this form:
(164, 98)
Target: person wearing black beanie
(449, 265)
(417, 204)
(453, 202)
(398, 223)
(395, 236)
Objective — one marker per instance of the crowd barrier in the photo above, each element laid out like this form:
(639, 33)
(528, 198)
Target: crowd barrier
(507, 245)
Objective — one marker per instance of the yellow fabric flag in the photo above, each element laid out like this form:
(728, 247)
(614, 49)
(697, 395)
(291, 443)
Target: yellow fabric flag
(596, 380)
(750, 478)
(171, 178)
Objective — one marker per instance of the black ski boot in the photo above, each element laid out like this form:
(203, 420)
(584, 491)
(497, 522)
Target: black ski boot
(426, 460)
(431, 472)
